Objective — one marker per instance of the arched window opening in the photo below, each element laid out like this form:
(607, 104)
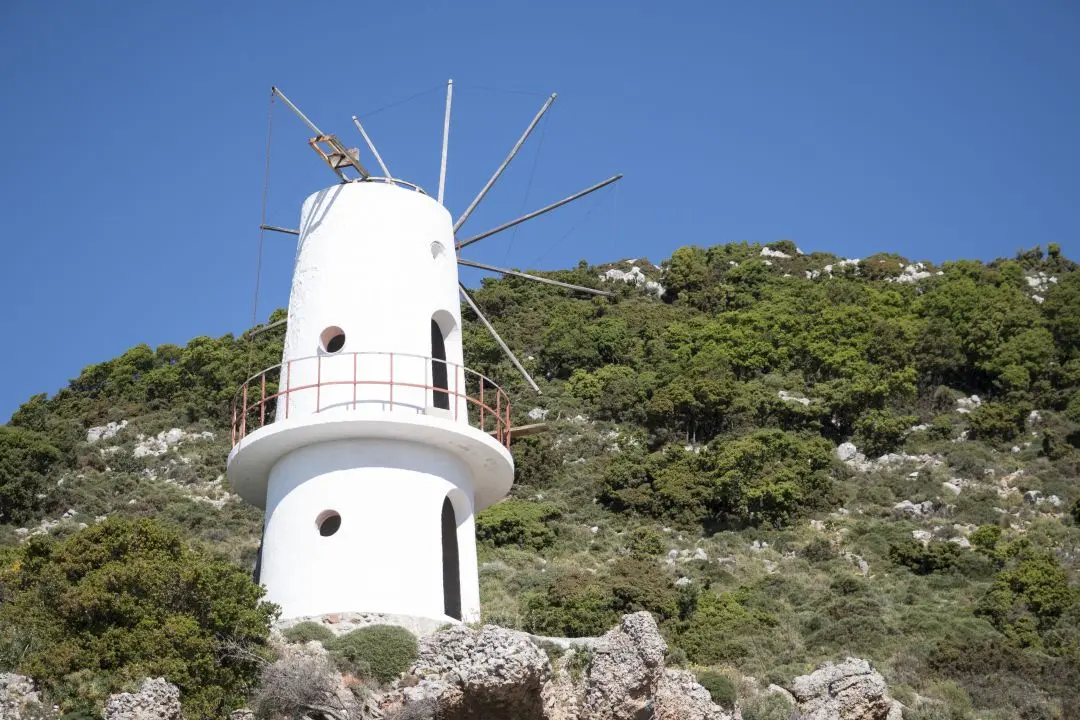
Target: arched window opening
(451, 572)
(439, 374)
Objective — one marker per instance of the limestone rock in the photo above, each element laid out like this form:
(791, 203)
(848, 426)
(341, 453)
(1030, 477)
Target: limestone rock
(157, 699)
(105, 432)
(491, 673)
(494, 673)
(18, 699)
(626, 669)
(851, 690)
(679, 697)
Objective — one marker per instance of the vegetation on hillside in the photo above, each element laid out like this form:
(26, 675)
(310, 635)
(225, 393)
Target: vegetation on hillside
(126, 600)
(691, 466)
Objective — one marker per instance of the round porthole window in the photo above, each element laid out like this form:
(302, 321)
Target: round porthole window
(328, 522)
(437, 249)
(332, 339)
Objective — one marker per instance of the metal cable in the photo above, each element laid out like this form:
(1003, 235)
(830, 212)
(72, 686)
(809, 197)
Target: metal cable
(528, 187)
(400, 102)
(575, 226)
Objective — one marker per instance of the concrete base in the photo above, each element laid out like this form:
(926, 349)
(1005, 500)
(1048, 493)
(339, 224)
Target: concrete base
(345, 622)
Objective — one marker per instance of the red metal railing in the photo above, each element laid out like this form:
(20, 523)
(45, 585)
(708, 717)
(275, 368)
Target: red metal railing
(486, 405)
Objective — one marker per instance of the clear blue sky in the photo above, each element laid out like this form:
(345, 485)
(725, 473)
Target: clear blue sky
(132, 140)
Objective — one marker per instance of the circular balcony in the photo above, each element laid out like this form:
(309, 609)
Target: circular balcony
(371, 382)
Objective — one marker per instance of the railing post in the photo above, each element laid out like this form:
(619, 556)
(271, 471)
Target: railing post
(481, 401)
(391, 381)
(243, 418)
(498, 410)
(354, 381)
(288, 387)
(318, 383)
(457, 394)
(506, 428)
(234, 420)
(262, 401)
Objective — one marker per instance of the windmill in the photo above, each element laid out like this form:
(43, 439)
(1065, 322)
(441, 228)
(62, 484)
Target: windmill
(339, 158)
(371, 446)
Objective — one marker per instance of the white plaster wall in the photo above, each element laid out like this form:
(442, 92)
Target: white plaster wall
(365, 264)
(387, 555)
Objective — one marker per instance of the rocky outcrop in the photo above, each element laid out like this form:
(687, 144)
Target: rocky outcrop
(18, 699)
(679, 697)
(303, 681)
(494, 673)
(851, 690)
(487, 674)
(157, 699)
(626, 670)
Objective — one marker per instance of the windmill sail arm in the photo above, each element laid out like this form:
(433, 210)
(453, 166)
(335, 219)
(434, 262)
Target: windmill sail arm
(536, 213)
(498, 339)
(521, 141)
(537, 278)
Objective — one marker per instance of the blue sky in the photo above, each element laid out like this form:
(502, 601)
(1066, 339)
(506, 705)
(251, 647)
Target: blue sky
(132, 140)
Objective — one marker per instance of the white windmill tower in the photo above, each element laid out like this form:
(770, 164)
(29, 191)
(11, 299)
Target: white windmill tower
(372, 446)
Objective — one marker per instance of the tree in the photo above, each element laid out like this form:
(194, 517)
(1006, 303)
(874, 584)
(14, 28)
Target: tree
(517, 522)
(26, 460)
(127, 599)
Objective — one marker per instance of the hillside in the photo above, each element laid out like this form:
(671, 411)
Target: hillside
(786, 458)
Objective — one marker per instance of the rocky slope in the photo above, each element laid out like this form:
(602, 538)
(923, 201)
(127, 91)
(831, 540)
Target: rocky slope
(787, 459)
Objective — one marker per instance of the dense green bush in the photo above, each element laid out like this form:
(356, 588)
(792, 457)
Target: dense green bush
(996, 421)
(517, 522)
(721, 688)
(934, 557)
(880, 431)
(646, 543)
(307, 631)
(382, 652)
(574, 604)
(768, 476)
(124, 600)
(985, 538)
(26, 460)
(1028, 598)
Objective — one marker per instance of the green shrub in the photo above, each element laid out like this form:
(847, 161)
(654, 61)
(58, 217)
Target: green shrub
(819, 550)
(935, 557)
(676, 658)
(645, 543)
(26, 459)
(996, 421)
(307, 631)
(127, 599)
(770, 706)
(517, 522)
(382, 652)
(574, 604)
(721, 688)
(578, 663)
(880, 431)
(985, 538)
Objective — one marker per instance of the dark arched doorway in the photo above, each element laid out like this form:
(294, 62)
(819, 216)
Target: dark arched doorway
(439, 374)
(451, 577)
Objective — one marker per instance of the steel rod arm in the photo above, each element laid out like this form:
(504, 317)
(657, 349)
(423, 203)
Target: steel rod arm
(536, 213)
(275, 228)
(445, 138)
(521, 141)
(302, 116)
(537, 278)
(499, 340)
(271, 326)
(371, 146)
